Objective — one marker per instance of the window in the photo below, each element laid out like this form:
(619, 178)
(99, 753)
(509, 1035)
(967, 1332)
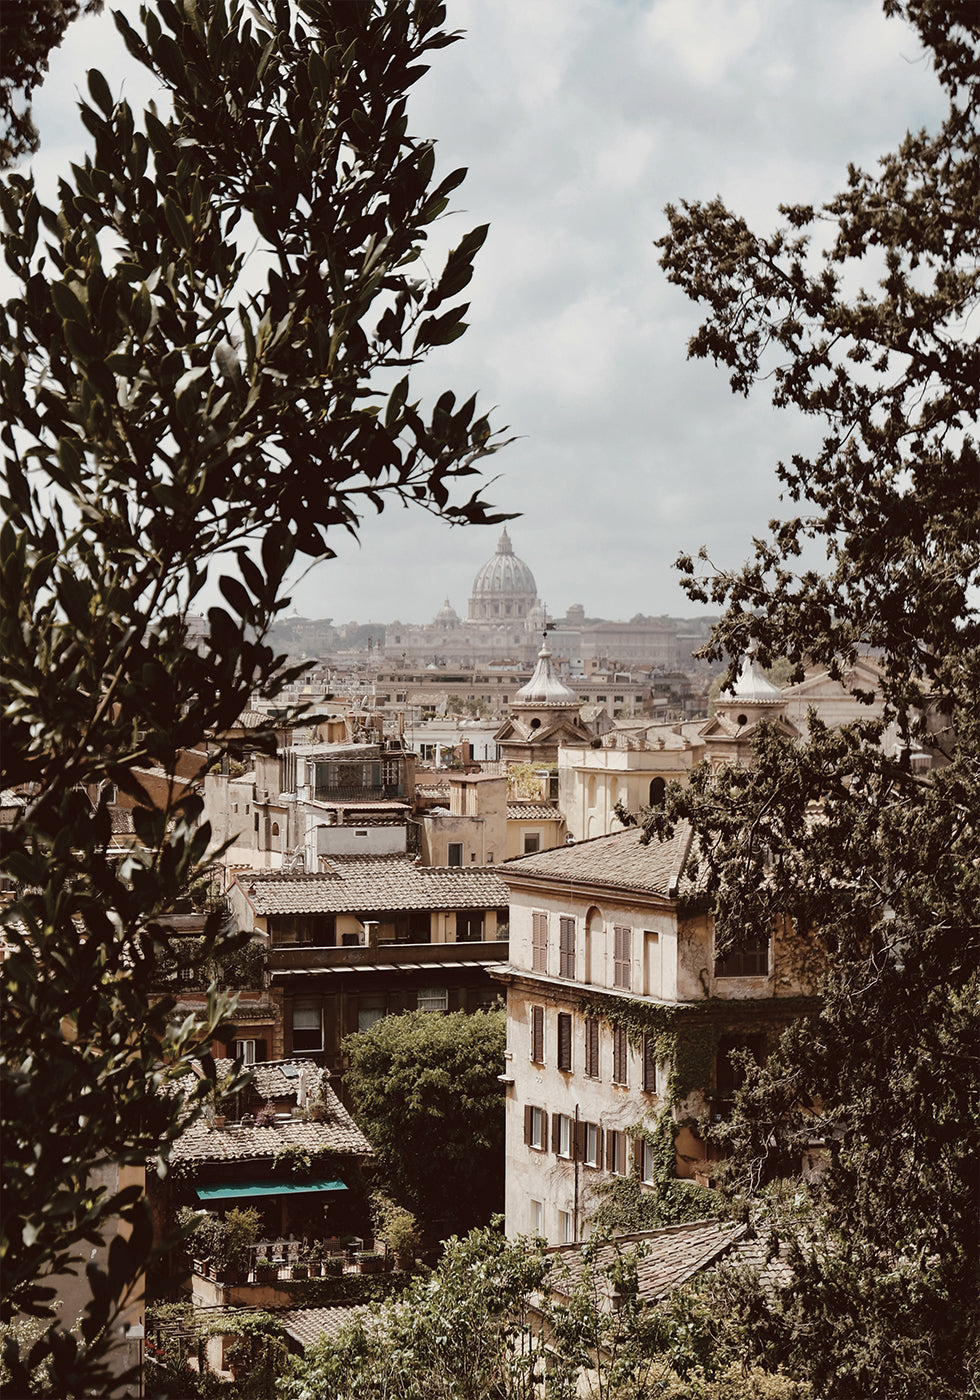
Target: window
(591, 1144)
(649, 1064)
(658, 791)
(566, 1231)
(564, 1041)
(455, 856)
(250, 1052)
(469, 925)
(537, 1034)
(307, 1026)
(616, 1151)
(537, 1217)
(648, 1163)
(592, 1048)
(561, 1135)
(535, 1127)
(620, 1053)
(370, 1010)
(566, 947)
(433, 999)
(622, 955)
(532, 842)
(539, 942)
(751, 960)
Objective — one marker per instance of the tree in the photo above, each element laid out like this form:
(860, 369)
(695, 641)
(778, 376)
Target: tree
(425, 1090)
(205, 371)
(29, 31)
(874, 859)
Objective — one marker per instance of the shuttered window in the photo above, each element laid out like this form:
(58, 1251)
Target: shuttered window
(537, 1034)
(564, 1041)
(622, 957)
(535, 1127)
(566, 947)
(539, 942)
(592, 1048)
(616, 1151)
(561, 1134)
(649, 1064)
(620, 1053)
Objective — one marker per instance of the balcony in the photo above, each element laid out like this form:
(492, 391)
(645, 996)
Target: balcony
(305, 957)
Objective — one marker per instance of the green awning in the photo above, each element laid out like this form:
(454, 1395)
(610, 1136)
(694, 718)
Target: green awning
(230, 1189)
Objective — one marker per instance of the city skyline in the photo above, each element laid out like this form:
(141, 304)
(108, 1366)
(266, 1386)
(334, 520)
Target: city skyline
(578, 122)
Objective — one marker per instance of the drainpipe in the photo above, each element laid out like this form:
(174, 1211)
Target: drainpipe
(575, 1169)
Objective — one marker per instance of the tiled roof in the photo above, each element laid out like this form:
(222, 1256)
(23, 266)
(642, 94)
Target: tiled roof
(619, 861)
(202, 1143)
(364, 883)
(666, 1258)
(338, 1132)
(534, 812)
(308, 1325)
(669, 1257)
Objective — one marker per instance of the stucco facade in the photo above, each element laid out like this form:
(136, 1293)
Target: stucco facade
(599, 932)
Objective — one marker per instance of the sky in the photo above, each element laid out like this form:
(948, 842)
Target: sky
(578, 121)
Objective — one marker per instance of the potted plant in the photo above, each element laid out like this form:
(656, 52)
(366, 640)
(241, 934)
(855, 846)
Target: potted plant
(265, 1117)
(265, 1271)
(368, 1262)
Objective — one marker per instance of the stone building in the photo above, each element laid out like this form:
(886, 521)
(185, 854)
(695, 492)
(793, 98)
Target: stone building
(608, 940)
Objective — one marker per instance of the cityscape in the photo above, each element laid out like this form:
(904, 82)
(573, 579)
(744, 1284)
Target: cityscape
(494, 998)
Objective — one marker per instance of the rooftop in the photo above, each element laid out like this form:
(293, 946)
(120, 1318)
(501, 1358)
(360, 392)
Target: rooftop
(620, 861)
(355, 884)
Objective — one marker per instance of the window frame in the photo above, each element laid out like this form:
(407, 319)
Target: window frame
(536, 1028)
(454, 848)
(744, 962)
(539, 941)
(562, 1136)
(622, 957)
(593, 1065)
(563, 1042)
(535, 1127)
(566, 947)
(620, 1056)
(430, 994)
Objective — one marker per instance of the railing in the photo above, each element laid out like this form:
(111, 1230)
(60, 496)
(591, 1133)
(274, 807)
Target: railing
(308, 956)
(270, 1261)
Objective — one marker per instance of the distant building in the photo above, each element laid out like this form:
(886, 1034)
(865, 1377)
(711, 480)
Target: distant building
(504, 619)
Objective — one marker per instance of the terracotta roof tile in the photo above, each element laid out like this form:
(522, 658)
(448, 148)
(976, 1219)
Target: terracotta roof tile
(669, 1257)
(308, 1325)
(533, 811)
(619, 861)
(363, 883)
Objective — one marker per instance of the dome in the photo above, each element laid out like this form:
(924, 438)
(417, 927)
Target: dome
(752, 687)
(447, 616)
(505, 573)
(544, 687)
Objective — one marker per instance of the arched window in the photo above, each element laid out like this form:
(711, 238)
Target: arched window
(658, 789)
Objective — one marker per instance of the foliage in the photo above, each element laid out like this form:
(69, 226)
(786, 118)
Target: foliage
(397, 1227)
(238, 967)
(865, 837)
(425, 1091)
(176, 1333)
(620, 1205)
(199, 373)
(224, 1241)
(524, 780)
(497, 1316)
(29, 31)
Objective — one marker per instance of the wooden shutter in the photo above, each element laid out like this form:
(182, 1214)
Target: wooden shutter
(566, 947)
(555, 1132)
(528, 1113)
(537, 1034)
(578, 1142)
(637, 1155)
(539, 942)
(622, 957)
(564, 1040)
(619, 1073)
(649, 1064)
(592, 1048)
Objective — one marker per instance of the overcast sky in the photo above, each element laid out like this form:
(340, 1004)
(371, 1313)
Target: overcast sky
(579, 120)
